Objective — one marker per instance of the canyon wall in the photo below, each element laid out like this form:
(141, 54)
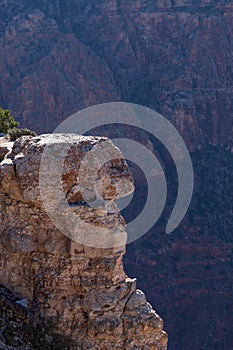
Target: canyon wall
(189, 272)
(172, 56)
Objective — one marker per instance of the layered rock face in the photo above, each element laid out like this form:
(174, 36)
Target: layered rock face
(174, 56)
(49, 276)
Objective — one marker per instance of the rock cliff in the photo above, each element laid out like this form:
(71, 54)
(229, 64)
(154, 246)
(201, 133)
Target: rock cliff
(48, 278)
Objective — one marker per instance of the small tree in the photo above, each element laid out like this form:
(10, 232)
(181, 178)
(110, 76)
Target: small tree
(7, 122)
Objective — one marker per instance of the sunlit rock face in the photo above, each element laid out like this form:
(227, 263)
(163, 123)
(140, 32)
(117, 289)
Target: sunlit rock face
(66, 272)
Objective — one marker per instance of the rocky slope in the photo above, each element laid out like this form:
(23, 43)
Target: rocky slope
(74, 281)
(172, 55)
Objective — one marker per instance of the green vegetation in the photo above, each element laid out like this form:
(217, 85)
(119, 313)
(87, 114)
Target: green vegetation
(7, 122)
(15, 133)
(9, 126)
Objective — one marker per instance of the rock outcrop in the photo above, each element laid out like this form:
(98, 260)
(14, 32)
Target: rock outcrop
(48, 276)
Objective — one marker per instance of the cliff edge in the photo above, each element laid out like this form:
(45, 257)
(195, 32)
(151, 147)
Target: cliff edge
(62, 279)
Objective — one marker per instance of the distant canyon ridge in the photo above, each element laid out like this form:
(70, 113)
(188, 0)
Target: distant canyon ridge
(175, 56)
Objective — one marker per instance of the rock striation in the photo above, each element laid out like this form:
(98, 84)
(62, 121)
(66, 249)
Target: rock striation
(47, 276)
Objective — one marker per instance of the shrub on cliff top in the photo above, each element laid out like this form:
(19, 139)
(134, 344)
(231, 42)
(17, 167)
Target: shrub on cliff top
(9, 126)
(16, 133)
(7, 122)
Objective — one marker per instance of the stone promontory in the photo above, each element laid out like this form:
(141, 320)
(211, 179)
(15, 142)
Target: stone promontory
(62, 239)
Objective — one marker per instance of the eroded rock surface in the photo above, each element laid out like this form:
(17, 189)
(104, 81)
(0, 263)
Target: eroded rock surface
(82, 289)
